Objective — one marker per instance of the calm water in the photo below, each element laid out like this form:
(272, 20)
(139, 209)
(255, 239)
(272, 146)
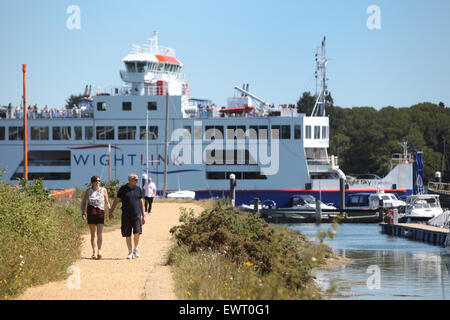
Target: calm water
(383, 267)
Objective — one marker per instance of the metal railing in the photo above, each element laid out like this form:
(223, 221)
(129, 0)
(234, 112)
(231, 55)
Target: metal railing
(439, 187)
(156, 75)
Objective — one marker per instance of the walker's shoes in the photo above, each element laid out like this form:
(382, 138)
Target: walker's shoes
(137, 253)
(130, 255)
(99, 255)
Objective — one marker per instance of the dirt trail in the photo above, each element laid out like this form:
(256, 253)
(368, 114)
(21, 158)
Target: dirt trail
(115, 277)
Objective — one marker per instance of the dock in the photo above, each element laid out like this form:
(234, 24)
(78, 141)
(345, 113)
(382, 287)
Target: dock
(280, 216)
(417, 232)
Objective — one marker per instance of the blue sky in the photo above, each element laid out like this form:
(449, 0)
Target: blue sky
(268, 44)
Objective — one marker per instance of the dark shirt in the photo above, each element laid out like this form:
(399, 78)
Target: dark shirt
(131, 206)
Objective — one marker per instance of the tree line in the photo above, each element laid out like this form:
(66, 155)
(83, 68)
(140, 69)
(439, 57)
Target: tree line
(365, 138)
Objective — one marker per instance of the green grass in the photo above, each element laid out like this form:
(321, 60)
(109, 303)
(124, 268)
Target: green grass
(224, 254)
(40, 237)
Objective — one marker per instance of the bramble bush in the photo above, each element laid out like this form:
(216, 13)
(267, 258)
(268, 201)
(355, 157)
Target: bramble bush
(281, 260)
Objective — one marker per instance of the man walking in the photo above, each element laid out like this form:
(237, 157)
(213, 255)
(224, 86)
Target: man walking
(132, 213)
(149, 193)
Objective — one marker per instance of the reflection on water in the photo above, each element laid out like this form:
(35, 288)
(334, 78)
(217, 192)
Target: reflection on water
(383, 267)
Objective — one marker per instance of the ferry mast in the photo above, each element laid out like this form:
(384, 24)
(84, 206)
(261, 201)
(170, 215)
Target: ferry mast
(320, 75)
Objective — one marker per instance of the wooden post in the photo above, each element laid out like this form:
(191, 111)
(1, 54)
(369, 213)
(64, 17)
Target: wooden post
(318, 211)
(232, 188)
(342, 195)
(256, 206)
(25, 124)
(381, 210)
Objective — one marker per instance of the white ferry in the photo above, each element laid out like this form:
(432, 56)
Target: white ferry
(274, 152)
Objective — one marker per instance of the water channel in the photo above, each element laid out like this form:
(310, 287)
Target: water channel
(383, 267)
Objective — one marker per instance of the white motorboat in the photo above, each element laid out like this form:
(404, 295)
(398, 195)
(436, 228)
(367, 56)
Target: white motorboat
(182, 194)
(422, 207)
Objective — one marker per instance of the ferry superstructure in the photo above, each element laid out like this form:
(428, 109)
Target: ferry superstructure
(274, 153)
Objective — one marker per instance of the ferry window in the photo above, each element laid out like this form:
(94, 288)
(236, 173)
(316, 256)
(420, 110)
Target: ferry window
(297, 132)
(61, 133)
(258, 132)
(152, 132)
(215, 132)
(88, 133)
(187, 133)
(101, 106)
(285, 132)
(2, 133)
(324, 132)
(250, 175)
(308, 132)
(39, 133)
(151, 105)
(126, 106)
(131, 67)
(214, 157)
(78, 131)
(235, 132)
(316, 132)
(140, 66)
(127, 133)
(15, 133)
(104, 133)
(215, 175)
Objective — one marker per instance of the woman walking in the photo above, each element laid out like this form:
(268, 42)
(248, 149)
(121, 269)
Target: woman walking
(94, 204)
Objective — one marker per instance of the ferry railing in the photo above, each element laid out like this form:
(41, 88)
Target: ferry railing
(401, 158)
(155, 75)
(128, 91)
(54, 114)
(439, 187)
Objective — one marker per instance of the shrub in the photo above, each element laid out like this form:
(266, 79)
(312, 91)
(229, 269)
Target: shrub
(278, 255)
(40, 237)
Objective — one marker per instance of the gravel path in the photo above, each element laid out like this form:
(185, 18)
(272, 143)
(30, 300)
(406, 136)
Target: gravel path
(115, 277)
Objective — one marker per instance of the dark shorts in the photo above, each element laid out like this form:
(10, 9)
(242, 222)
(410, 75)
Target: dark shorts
(131, 224)
(95, 215)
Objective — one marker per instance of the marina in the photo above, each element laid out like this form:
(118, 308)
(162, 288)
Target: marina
(383, 267)
(419, 232)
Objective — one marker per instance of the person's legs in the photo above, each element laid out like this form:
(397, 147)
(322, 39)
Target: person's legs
(128, 241)
(126, 233)
(150, 201)
(137, 230)
(92, 229)
(99, 239)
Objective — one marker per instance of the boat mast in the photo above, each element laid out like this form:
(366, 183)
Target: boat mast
(25, 133)
(321, 74)
(166, 159)
(146, 143)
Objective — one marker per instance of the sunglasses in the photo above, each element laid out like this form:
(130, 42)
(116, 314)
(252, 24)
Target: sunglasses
(96, 181)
